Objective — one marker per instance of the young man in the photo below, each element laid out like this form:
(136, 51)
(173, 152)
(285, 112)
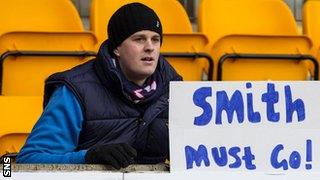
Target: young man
(113, 109)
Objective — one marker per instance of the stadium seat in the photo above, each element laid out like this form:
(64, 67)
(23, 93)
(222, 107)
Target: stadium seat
(39, 15)
(263, 57)
(310, 20)
(18, 114)
(38, 38)
(30, 57)
(311, 24)
(186, 53)
(173, 17)
(255, 40)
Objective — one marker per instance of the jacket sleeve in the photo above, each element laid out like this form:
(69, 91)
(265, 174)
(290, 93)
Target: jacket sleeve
(54, 137)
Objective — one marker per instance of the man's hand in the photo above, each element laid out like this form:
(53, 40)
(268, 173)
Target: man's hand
(116, 155)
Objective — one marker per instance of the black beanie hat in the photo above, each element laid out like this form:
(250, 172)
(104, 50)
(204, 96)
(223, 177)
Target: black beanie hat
(130, 19)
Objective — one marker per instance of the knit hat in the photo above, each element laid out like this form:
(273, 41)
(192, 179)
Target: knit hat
(130, 19)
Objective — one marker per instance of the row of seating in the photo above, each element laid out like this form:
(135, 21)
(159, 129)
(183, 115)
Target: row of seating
(237, 40)
(259, 38)
(311, 24)
(37, 38)
(218, 20)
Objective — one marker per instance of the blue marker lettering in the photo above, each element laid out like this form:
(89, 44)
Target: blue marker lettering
(196, 156)
(234, 153)
(221, 160)
(248, 157)
(199, 99)
(253, 117)
(309, 154)
(274, 158)
(297, 106)
(234, 105)
(295, 160)
(271, 97)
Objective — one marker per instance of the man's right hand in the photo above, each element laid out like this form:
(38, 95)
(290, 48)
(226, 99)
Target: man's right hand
(116, 155)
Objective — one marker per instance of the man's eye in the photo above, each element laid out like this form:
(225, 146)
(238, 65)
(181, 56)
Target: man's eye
(139, 39)
(156, 39)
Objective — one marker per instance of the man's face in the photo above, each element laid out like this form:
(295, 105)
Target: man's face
(138, 55)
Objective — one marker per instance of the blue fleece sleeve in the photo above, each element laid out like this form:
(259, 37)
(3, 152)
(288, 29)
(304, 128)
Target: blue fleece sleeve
(55, 136)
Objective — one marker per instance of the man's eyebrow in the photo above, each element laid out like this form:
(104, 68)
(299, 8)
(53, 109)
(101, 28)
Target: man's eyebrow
(138, 35)
(143, 35)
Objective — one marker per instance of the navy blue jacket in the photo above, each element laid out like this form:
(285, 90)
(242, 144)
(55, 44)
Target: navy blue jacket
(109, 115)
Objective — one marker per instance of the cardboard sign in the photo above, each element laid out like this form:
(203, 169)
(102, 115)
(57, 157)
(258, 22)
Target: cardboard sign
(245, 126)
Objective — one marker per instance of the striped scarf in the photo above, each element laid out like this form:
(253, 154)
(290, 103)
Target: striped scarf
(139, 94)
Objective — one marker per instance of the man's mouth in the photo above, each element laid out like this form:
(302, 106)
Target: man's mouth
(147, 59)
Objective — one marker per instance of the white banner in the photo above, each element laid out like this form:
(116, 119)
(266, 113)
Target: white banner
(266, 127)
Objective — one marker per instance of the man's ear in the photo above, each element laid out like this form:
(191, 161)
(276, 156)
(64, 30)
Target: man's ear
(116, 52)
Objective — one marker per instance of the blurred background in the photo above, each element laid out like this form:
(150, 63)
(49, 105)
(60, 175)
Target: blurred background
(191, 7)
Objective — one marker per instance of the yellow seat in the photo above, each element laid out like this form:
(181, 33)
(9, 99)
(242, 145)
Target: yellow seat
(40, 26)
(173, 17)
(264, 29)
(18, 115)
(39, 15)
(263, 57)
(186, 53)
(10, 144)
(218, 18)
(311, 24)
(310, 21)
(30, 57)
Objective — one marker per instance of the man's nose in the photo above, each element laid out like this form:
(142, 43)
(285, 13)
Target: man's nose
(149, 46)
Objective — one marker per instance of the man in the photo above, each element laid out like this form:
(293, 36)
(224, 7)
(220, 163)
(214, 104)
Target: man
(113, 109)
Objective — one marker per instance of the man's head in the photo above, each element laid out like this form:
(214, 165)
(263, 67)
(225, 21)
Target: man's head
(135, 36)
